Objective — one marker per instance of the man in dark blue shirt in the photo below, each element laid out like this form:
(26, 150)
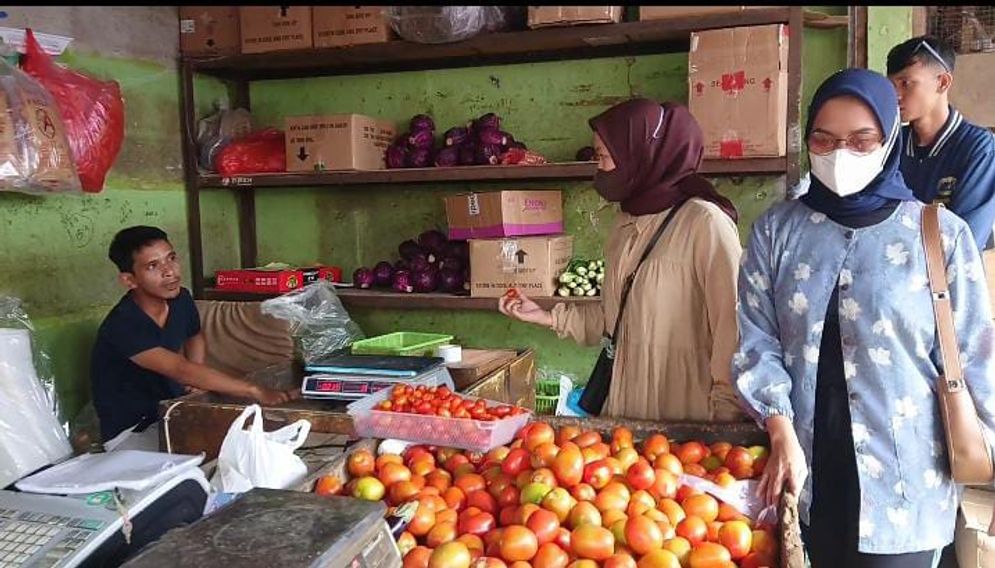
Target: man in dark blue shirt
(947, 159)
(150, 347)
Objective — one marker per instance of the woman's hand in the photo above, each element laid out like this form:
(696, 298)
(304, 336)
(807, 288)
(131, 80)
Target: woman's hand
(786, 465)
(518, 306)
(991, 527)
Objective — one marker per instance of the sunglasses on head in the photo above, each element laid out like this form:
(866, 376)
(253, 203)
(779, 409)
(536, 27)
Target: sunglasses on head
(925, 45)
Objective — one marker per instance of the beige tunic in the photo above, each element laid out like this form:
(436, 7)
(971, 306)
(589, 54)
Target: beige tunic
(679, 331)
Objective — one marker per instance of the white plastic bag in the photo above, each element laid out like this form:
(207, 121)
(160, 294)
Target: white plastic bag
(254, 458)
(742, 495)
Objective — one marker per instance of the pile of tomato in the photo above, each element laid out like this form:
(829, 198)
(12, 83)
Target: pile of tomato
(441, 401)
(567, 499)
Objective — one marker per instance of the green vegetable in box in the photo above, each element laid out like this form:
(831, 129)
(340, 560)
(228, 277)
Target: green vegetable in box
(582, 278)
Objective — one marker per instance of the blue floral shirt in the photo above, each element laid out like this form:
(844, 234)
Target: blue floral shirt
(794, 259)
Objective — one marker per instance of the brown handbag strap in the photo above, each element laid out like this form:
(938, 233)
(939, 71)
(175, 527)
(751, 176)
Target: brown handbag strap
(952, 378)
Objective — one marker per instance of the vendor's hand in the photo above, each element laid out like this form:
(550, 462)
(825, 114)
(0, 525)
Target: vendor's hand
(786, 467)
(270, 397)
(991, 527)
(518, 306)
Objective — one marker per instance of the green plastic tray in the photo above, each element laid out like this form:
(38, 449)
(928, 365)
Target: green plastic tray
(401, 343)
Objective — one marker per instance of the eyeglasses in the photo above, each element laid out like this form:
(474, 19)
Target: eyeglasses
(859, 143)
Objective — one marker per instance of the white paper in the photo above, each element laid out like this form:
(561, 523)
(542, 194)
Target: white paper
(53, 45)
(125, 469)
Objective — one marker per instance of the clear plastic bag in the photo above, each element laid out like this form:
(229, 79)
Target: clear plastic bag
(742, 495)
(447, 24)
(31, 434)
(321, 326)
(217, 130)
(35, 156)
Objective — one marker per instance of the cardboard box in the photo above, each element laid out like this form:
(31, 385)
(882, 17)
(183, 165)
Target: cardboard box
(531, 264)
(504, 214)
(209, 30)
(335, 26)
(738, 90)
(260, 280)
(547, 16)
(973, 86)
(274, 28)
(337, 142)
(669, 12)
(975, 549)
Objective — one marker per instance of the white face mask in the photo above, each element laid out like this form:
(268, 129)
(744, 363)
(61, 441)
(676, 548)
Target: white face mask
(846, 173)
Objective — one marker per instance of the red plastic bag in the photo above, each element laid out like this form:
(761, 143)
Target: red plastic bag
(92, 110)
(259, 152)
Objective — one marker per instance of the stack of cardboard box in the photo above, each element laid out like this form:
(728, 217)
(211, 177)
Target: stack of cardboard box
(230, 30)
(516, 240)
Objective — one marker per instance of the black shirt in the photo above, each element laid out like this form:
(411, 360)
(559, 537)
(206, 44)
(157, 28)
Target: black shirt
(125, 394)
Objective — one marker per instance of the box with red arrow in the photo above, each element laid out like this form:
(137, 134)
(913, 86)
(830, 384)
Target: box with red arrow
(738, 90)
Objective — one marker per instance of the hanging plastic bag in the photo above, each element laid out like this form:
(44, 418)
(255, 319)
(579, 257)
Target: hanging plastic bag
(321, 326)
(447, 24)
(34, 154)
(254, 458)
(92, 111)
(30, 433)
(259, 152)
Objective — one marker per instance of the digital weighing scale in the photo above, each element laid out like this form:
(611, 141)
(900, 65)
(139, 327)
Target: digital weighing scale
(353, 377)
(265, 528)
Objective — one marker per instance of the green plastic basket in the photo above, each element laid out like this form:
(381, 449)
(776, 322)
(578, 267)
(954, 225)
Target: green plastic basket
(547, 396)
(402, 343)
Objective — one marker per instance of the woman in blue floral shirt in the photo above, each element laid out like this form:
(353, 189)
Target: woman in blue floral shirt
(837, 351)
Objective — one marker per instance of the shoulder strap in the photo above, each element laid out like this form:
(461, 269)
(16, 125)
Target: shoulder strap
(952, 378)
(627, 285)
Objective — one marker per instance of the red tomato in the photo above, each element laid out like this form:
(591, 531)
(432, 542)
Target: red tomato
(544, 525)
(640, 475)
(737, 537)
(568, 466)
(417, 557)
(550, 555)
(482, 500)
(592, 542)
(328, 485)
(516, 462)
(691, 452)
(642, 535)
(709, 555)
(693, 529)
(479, 524)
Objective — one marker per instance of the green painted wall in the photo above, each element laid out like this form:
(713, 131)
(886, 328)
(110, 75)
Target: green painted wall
(546, 105)
(887, 26)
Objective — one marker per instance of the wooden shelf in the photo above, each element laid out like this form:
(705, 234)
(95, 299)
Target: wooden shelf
(352, 298)
(561, 171)
(573, 42)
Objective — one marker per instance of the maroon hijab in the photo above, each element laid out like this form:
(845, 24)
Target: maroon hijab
(657, 150)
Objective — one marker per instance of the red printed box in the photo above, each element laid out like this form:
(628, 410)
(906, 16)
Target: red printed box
(258, 280)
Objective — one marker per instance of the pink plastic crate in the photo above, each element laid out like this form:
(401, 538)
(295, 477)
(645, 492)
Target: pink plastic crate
(465, 434)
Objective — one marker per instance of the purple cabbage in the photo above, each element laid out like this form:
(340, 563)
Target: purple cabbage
(456, 136)
(422, 122)
(419, 264)
(467, 154)
(409, 250)
(363, 278)
(586, 154)
(487, 155)
(396, 156)
(489, 120)
(421, 139)
(382, 273)
(420, 158)
(493, 136)
(448, 156)
(432, 241)
(402, 282)
(426, 281)
(450, 280)
(456, 249)
(402, 265)
(451, 263)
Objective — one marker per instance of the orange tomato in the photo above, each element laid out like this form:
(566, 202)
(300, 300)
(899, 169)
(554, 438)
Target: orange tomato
(361, 463)
(659, 558)
(655, 445)
(727, 512)
(392, 473)
(621, 433)
(691, 452)
(550, 556)
(455, 498)
(675, 514)
(763, 543)
(756, 560)
(422, 522)
(713, 531)
(439, 478)
(405, 543)
(470, 482)
(609, 518)
(567, 434)
(544, 476)
(680, 547)
(544, 455)
(620, 560)
(584, 513)
(592, 542)
(544, 525)
(328, 485)
(642, 535)
(737, 537)
(709, 555)
(587, 439)
(665, 484)
(450, 555)
(525, 512)
(608, 500)
(583, 492)
(473, 542)
(385, 459)
(694, 529)
(422, 466)
(695, 469)
(401, 492)
(518, 543)
(440, 534)
(568, 465)
(669, 462)
(446, 516)
(537, 434)
(417, 557)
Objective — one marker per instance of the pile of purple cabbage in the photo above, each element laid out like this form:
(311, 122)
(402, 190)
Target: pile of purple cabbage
(430, 264)
(480, 143)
